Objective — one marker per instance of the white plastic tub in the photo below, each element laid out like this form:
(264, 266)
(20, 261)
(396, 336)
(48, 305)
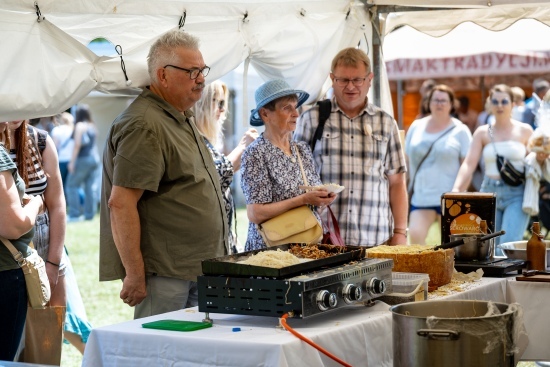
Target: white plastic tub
(407, 287)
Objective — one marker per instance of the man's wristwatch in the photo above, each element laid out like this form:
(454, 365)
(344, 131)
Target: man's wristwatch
(404, 231)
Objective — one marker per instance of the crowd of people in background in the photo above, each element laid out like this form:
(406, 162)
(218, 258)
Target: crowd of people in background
(505, 126)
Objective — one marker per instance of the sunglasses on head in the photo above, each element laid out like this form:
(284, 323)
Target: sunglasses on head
(496, 102)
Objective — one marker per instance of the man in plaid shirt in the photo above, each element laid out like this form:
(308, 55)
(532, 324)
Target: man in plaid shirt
(361, 150)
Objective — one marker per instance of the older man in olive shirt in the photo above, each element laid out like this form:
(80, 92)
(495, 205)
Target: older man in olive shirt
(162, 207)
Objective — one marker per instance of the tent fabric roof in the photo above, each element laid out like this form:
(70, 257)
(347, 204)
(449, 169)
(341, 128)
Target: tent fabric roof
(482, 4)
(48, 67)
(495, 18)
(468, 50)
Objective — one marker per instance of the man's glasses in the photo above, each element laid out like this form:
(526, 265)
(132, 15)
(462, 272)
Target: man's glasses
(496, 102)
(440, 101)
(343, 82)
(193, 73)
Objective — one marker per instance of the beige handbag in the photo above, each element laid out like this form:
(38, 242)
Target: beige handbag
(298, 225)
(36, 278)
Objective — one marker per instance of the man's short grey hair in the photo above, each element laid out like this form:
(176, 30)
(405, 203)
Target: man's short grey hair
(163, 51)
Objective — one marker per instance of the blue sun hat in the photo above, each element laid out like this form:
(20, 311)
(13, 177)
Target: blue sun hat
(270, 91)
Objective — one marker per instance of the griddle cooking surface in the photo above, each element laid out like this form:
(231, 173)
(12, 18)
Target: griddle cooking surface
(231, 266)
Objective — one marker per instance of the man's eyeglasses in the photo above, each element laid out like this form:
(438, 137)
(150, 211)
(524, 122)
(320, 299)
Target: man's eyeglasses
(496, 102)
(193, 73)
(343, 82)
(440, 101)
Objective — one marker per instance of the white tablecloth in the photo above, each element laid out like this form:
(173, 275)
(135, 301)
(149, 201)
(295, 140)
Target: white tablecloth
(359, 335)
(534, 297)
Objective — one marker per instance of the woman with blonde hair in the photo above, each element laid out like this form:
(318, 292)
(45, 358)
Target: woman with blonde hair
(210, 113)
(508, 138)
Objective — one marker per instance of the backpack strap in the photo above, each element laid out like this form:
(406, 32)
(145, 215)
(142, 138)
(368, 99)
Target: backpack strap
(325, 107)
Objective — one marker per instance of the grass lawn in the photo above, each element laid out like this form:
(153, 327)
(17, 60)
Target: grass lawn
(100, 298)
(103, 305)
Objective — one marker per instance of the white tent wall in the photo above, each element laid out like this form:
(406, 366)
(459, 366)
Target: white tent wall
(48, 68)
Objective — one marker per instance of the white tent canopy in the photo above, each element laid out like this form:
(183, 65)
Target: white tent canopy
(468, 50)
(47, 66)
(500, 15)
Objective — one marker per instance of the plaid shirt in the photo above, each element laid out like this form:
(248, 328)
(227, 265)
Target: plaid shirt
(358, 153)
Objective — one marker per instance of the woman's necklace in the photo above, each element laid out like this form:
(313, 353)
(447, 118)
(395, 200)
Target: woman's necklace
(292, 156)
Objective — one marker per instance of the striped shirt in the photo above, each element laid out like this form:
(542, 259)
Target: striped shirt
(358, 153)
(37, 177)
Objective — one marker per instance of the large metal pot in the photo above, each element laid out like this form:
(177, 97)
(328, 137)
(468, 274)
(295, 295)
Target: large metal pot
(452, 333)
(473, 248)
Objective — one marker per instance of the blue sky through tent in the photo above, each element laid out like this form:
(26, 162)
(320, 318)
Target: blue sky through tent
(102, 47)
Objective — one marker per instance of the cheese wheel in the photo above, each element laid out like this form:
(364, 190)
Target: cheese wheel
(439, 264)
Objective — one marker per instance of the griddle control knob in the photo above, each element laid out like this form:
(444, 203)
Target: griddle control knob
(326, 300)
(376, 286)
(352, 293)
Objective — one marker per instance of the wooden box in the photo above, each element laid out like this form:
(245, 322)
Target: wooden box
(461, 212)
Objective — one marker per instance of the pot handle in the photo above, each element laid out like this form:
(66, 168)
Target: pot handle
(438, 334)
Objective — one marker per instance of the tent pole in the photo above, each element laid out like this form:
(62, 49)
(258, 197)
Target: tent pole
(376, 59)
(483, 90)
(400, 95)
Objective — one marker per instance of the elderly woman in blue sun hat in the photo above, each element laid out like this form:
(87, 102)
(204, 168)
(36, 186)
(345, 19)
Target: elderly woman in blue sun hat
(270, 167)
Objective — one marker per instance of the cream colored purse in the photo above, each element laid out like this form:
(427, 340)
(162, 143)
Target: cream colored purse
(298, 225)
(36, 278)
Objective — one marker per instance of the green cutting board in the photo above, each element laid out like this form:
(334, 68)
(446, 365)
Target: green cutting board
(176, 325)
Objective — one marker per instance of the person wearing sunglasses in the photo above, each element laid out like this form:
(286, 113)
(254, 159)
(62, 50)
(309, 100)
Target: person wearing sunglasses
(210, 113)
(360, 149)
(162, 207)
(508, 138)
(435, 146)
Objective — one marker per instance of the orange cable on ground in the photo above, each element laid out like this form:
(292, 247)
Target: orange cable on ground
(310, 342)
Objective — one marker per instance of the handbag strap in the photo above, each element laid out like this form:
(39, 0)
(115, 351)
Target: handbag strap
(332, 217)
(429, 151)
(492, 138)
(301, 166)
(17, 255)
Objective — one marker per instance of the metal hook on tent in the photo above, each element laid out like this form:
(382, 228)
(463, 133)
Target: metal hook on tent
(182, 19)
(38, 13)
(118, 49)
(245, 19)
